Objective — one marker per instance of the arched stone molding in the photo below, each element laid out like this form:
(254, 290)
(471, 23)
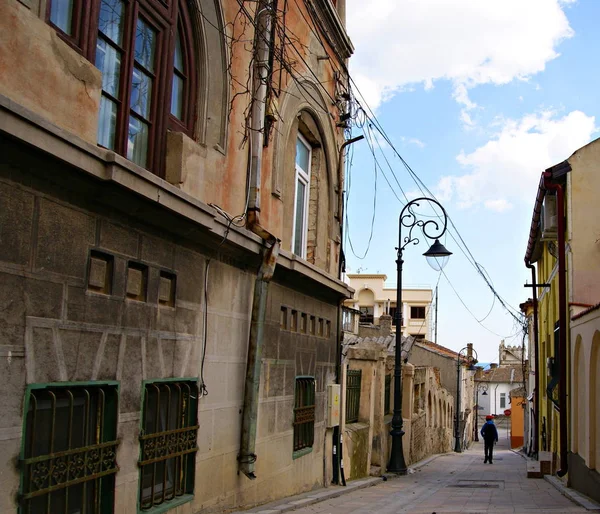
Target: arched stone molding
(594, 403)
(303, 110)
(429, 410)
(579, 400)
(213, 85)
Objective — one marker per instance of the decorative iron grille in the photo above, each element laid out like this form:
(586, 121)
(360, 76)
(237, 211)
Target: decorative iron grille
(387, 404)
(304, 413)
(353, 380)
(69, 453)
(168, 442)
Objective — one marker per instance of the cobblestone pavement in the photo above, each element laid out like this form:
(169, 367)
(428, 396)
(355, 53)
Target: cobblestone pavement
(455, 483)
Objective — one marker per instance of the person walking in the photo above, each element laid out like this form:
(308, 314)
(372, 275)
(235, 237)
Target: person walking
(489, 432)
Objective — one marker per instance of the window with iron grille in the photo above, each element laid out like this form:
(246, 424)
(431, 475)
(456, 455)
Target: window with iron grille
(304, 413)
(353, 380)
(168, 442)
(388, 396)
(68, 460)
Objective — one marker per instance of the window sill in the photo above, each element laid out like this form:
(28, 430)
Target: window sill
(168, 505)
(301, 453)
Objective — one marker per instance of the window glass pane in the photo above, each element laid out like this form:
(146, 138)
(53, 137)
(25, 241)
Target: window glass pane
(299, 228)
(145, 45)
(141, 92)
(137, 141)
(107, 122)
(178, 59)
(61, 14)
(110, 22)
(108, 61)
(302, 155)
(177, 96)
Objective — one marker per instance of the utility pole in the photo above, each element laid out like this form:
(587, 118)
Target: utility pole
(436, 302)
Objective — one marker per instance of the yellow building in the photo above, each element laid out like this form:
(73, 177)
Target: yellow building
(564, 245)
(373, 298)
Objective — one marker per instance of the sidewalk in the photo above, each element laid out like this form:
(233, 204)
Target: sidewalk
(450, 483)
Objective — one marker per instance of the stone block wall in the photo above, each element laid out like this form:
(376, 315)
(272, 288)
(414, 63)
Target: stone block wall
(89, 294)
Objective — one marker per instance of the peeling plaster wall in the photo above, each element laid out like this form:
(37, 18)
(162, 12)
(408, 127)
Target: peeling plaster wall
(41, 72)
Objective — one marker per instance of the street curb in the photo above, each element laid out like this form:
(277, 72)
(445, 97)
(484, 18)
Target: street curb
(335, 491)
(304, 500)
(574, 496)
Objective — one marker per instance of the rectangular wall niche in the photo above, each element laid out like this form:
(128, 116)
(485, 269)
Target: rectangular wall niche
(166, 289)
(100, 272)
(137, 281)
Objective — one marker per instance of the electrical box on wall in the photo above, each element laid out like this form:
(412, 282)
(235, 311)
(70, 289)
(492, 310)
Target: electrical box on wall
(333, 405)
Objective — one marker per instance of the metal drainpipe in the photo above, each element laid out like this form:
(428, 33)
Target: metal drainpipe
(247, 456)
(261, 72)
(536, 399)
(337, 448)
(562, 322)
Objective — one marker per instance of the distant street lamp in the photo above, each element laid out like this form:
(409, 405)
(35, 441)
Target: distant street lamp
(437, 257)
(484, 388)
(471, 361)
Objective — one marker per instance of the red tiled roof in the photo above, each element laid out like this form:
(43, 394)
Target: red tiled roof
(586, 311)
(503, 374)
(438, 348)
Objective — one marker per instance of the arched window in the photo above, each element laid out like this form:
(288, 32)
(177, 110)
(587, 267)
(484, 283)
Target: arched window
(144, 50)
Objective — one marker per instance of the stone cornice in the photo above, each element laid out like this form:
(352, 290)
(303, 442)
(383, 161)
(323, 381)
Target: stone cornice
(35, 131)
(332, 27)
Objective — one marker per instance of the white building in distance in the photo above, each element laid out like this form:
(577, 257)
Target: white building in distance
(372, 298)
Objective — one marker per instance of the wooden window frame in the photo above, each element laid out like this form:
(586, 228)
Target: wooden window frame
(414, 308)
(168, 19)
(303, 176)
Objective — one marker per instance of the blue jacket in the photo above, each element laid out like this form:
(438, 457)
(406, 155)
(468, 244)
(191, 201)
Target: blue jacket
(489, 431)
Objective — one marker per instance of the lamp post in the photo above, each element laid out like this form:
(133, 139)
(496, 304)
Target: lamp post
(437, 256)
(483, 387)
(471, 361)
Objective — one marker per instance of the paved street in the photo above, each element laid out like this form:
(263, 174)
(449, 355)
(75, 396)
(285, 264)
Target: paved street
(456, 483)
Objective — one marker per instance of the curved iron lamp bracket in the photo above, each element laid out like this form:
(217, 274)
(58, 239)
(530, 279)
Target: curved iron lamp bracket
(430, 228)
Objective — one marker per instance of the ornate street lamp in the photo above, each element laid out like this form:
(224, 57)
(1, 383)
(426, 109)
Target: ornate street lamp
(471, 361)
(484, 388)
(437, 256)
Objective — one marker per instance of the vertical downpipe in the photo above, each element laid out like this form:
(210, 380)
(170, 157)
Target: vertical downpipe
(536, 387)
(562, 322)
(247, 456)
(261, 75)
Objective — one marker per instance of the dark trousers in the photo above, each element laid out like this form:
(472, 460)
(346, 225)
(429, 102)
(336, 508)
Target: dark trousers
(488, 447)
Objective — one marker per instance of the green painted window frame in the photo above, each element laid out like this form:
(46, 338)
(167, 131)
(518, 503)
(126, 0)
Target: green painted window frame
(108, 443)
(187, 461)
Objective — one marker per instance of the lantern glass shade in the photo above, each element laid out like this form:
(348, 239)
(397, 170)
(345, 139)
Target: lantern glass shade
(437, 255)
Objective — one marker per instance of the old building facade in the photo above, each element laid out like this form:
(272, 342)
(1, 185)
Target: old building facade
(563, 247)
(170, 227)
(373, 299)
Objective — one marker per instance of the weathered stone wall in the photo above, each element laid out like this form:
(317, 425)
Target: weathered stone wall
(56, 327)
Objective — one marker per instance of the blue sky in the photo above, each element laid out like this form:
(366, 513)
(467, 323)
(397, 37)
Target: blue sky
(479, 98)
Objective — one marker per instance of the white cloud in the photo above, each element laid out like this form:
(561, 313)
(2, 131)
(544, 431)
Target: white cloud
(412, 141)
(469, 42)
(498, 205)
(507, 168)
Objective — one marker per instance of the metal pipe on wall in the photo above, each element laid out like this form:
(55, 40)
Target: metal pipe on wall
(536, 399)
(562, 322)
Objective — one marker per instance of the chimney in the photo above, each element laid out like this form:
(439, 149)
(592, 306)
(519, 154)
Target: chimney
(478, 373)
(470, 351)
(385, 325)
(493, 365)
